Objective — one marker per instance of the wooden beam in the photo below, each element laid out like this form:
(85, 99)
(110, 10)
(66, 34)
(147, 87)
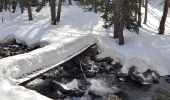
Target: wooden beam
(32, 76)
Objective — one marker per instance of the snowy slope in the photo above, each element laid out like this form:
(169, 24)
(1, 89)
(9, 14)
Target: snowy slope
(76, 29)
(146, 50)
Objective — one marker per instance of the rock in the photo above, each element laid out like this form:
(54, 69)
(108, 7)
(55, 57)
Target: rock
(135, 75)
(103, 64)
(61, 87)
(95, 95)
(10, 48)
(84, 84)
(107, 68)
(77, 93)
(101, 69)
(151, 76)
(67, 66)
(122, 95)
(90, 74)
(116, 66)
(107, 59)
(113, 97)
(156, 77)
(86, 97)
(146, 77)
(73, 85)
(121, 76)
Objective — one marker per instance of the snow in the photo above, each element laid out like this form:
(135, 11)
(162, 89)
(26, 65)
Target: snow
(76, 30)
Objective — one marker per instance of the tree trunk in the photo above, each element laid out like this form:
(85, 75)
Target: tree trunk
(1, 6)
(29, 10)
(121, 23)
(164, 16)
(95, 6)
(53, 11)
(139, 13)
(5, 5)
(59, 11)
(70, 2)
(146, 11)
(121, 26)
(116, 20)
(14, 5)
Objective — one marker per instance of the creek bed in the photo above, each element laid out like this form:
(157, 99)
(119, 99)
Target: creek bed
(11, 48)
(85, 77)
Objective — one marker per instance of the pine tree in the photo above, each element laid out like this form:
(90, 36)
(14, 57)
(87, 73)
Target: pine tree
(164, 16)
(28, 4)
(146, 12)
(53, 11)
(59, 11)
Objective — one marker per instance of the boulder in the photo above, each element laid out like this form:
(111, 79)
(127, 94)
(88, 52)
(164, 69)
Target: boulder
(147, 77)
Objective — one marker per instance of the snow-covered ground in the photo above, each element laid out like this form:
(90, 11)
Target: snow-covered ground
(77, 29)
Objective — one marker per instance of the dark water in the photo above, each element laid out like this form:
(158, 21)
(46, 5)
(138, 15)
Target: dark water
(135, 91)
(128, 90)
(104, 85)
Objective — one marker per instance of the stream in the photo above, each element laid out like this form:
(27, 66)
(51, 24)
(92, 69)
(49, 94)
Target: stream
(86, 77)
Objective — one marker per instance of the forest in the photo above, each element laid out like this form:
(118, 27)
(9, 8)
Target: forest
(85, 49)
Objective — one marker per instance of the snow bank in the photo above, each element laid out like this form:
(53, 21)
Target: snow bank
(144, 52)
(11, 92)
(19, 65)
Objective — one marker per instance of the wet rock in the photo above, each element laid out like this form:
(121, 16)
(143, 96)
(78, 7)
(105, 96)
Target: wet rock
(103, 64)
(73, 85)
(107, 59)
(135, 75)
(113, 97)
(11, 48)
(122, 95)
(86, 97)
(67, 66)
(90, 74)
(121, 76)
(147, 77)
(101, 69)
(151, 76)
(95, 95)
(61, 87)
(116, 66)
(83, 85)
(108, 68)
(77, 93)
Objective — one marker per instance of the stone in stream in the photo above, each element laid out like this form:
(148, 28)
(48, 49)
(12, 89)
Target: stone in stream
(95, 95)
(83, 84)
(147, 77)
(122, 76)
(151, 76)
(67, 66)
(70, 89)
(90, 74)
(116, 66)
(107, 59)
(10, 48)
(135, 75)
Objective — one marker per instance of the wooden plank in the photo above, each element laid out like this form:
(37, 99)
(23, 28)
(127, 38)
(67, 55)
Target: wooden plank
(28, 78)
